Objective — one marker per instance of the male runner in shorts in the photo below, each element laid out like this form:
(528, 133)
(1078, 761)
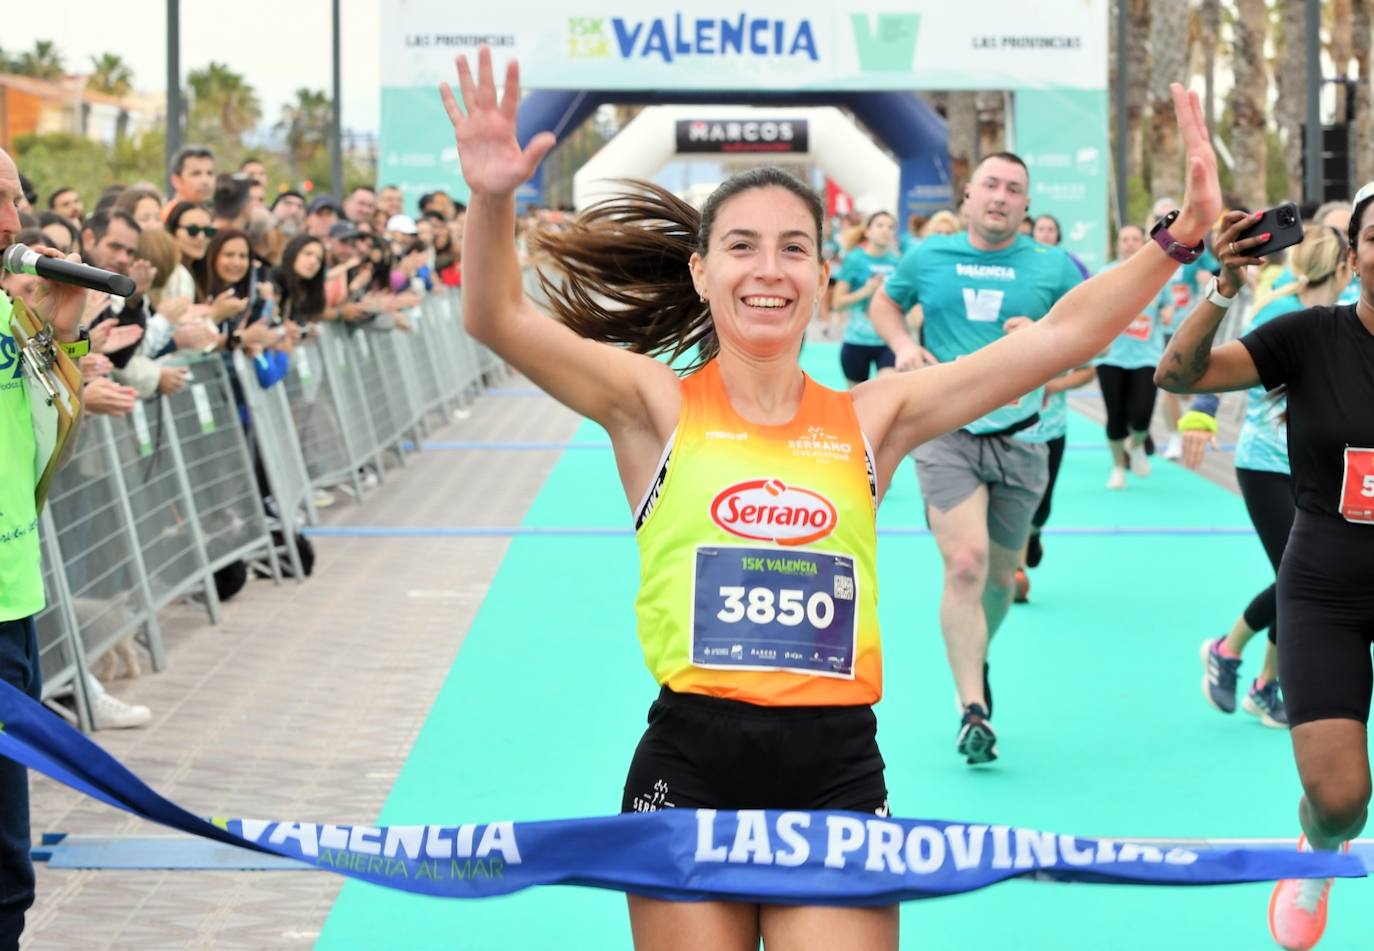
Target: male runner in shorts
(980, 485)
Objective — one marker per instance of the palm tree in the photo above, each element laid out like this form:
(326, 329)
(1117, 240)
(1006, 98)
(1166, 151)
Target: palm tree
(1168, 64)
(41, 62)
(221, 99)
(306, 123)
(1362, 144)
(1249, 99)
(1210, 24)
(1291, 73)
(1338, 47)
(1138, 70)
(110, 75)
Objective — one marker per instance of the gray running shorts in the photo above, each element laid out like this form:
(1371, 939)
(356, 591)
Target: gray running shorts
(951, 468)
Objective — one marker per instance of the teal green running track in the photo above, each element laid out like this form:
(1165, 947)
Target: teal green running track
(1101, 722)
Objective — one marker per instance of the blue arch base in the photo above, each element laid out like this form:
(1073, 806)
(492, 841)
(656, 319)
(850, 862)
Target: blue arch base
(910, 129)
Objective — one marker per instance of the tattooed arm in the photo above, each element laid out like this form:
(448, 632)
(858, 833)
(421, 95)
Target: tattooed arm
(1190, 365)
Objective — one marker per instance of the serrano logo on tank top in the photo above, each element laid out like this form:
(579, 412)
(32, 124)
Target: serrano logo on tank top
(768, 510)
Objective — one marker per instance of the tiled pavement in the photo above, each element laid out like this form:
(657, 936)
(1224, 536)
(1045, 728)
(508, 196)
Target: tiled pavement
(303, 703)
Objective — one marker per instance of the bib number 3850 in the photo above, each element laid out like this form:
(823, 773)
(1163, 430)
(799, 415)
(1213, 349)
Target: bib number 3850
(1357, 486)
(769, 609)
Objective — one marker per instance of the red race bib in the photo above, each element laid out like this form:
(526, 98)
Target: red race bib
(1183, 296)
(1139, 329)
(1357, 486)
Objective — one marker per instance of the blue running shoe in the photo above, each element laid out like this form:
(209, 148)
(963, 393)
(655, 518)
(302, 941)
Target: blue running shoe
(977, 741)
(1219, 676)
(1266, 703)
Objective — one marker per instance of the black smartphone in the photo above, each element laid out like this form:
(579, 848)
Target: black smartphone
(1284, 226)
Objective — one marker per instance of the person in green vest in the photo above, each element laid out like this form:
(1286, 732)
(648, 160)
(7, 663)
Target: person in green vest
(21, 577)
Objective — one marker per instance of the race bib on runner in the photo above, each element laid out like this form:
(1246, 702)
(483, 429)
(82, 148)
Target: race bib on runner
(1183, 296)
(771, 609)
(1139, 329)
(1357, 486)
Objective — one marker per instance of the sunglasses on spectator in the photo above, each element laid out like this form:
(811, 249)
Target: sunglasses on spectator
(196, 231)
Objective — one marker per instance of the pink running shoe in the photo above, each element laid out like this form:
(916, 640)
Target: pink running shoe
(1297, 909)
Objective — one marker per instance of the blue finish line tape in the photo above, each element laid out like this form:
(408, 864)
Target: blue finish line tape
(175, 852)
(768, 857)
(594, 531)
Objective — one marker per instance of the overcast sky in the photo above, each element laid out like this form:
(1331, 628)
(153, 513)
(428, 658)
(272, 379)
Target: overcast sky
(277, 45)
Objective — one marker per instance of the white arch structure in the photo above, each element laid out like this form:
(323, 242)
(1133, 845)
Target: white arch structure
(834, 143)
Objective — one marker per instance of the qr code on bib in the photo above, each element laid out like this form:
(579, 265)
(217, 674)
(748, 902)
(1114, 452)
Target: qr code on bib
(844, 588)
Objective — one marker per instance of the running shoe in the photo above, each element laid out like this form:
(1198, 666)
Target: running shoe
(1265, 703)
(1219, 676)
(1022, 594)
(1174, 448)
(1117, 479)
(1034, 551)
(1297, 909)
(1140, 463)
(977, 741)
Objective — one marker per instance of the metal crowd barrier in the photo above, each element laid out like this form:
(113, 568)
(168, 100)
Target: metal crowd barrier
(152, 505)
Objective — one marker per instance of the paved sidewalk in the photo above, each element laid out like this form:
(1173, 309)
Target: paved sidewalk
(303, 704)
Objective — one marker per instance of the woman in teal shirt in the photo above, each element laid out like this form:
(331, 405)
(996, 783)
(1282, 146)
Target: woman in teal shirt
(865, 268)
(1126, 375)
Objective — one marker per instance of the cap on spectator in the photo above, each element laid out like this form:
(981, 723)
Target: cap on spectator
(326, 203)
(402, 224)
(343, 230)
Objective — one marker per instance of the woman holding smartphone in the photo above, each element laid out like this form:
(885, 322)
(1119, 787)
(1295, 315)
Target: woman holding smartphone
(1323, 357)
(1322, 270)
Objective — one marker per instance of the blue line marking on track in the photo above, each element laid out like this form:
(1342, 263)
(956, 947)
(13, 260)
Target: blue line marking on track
(583, 531)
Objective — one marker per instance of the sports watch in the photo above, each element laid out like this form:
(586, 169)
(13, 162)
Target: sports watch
(1181, 253)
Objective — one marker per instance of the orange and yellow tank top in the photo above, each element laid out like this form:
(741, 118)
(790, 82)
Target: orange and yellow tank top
(757, 549)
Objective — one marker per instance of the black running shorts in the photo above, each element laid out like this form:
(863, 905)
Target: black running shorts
(1326, 619)
(703, 752)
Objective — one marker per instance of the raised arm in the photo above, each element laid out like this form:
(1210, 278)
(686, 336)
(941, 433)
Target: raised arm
(1189, 364)
(605, 383)
(904, 410)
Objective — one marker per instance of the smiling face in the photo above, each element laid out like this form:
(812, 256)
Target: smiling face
(231, 264)
(309, 260)
(191, 234)
(762, 272)
(1362, 254)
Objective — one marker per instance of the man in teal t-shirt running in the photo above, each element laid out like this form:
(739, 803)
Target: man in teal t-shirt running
(980, 485)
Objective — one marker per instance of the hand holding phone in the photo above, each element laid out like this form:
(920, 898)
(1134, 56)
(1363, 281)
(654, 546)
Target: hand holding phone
(1283, 224)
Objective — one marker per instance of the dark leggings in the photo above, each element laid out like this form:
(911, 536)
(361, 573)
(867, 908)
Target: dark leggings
(1130, 399)
(1042, 514)
(1269, 500)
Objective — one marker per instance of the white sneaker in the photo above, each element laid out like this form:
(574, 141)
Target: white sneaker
(1174, 450)
(323, 498)
(1118, 478)
(369, 479)
(111, 713)
(1140, 463)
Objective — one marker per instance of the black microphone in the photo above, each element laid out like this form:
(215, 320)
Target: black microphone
(21, 259)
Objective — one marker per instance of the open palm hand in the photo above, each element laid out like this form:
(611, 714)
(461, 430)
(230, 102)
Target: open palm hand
(491, 158)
